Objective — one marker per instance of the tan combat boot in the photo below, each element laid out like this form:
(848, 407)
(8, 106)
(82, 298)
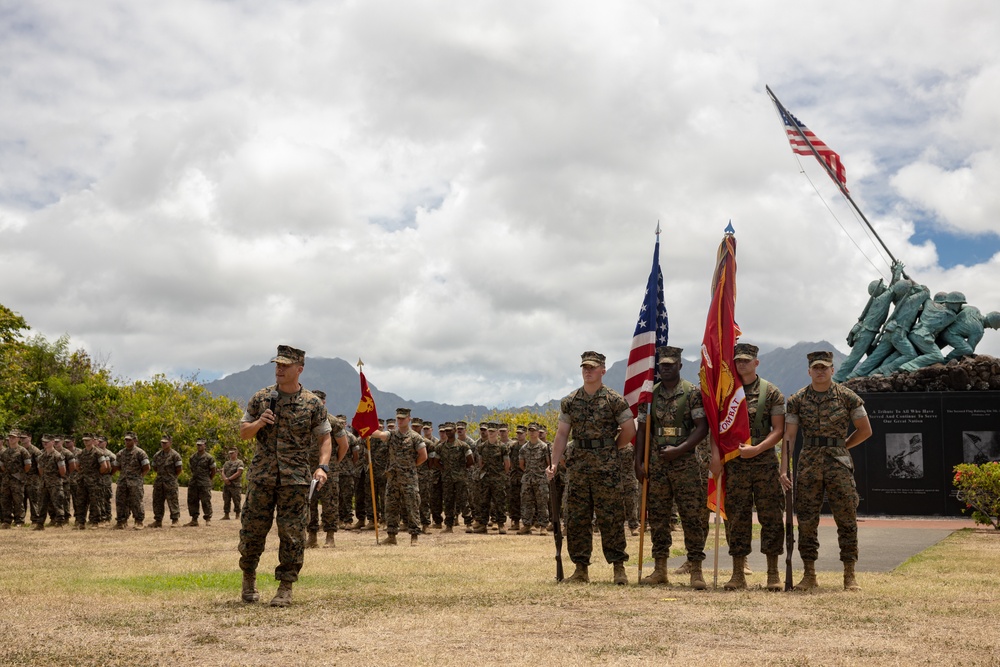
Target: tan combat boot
(808, 582)
(436, 526)
(697, 581)
(658, 575)
(208, 521)
(542, 531)
(579, 576)
(413, 540)
(524, 530)
(225, 516)
(157, 523)
(515, 525)
(330, 540)
(391, 539)
(137, 525)
(448, 529)
(38, 526)
(850, 583)
(283, 597)
(773, 580)
(621, 579)
(192, 523)
(685, 568)
(738, 580)
(481, 529)
(120, 525)
(250, 592)
(173, 523)
(311, 540)
(358, 526)
(501, 530)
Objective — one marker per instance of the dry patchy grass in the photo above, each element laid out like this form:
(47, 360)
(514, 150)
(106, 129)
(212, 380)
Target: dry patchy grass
(171, 596)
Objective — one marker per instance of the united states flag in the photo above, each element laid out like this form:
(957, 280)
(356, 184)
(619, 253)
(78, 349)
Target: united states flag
(650, 333)
(800, 146)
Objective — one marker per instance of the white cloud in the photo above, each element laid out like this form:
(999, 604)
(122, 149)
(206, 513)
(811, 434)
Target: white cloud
(467, 200)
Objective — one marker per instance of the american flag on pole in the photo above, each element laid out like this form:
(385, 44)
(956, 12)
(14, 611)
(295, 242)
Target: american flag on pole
(801, 146)
(651, 331)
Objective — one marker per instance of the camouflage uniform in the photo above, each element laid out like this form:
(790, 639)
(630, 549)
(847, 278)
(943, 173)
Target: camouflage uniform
(233, 491)
(534, 485)
(593, 473)
(131, 461)
(680, 480)
(104, 497)
(12, 487)
(454, 478)
(279, 478)
(90, 491)
(402, 490)
(493, 482)
(825, 466)
(33, 484)
(346, 471)
(754, 481)
(471, 482)
(630, 485)
(199, 491)
(165, 464)
(72, 481)
(514, 482)
(362, 482)
(327, 495)
(51, 491)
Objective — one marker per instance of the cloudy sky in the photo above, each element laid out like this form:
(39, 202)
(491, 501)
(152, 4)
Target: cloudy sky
(465, 194)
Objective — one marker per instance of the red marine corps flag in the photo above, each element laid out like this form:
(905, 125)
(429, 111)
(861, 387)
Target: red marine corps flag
(366, 418)
(721, 388)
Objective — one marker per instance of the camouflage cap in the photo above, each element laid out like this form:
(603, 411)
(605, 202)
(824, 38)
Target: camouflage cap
(521, 428)
(343, 418)
(289, 355)
(490, 426)
(416, 421)
(403, 413)
(502, 426)
(532, 426)
(591, 358)
(128, 436)
(448, 426)
(47, 437)
(669, 355)
(428, 424)
(745, 351)
(820, 358)
(461, 424)
(320, 393)
(166, 438)
(201, 441)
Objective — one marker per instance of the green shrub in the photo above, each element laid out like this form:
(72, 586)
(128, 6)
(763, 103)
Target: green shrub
(979, 488)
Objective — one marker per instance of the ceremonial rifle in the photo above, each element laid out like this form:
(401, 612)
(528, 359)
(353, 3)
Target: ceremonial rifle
(555, 504)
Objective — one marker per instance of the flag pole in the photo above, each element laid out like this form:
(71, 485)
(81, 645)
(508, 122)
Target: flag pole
(371, 472)
(718, 511)
(645, 486)
(833, 176)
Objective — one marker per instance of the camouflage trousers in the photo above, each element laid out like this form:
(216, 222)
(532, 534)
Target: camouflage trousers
(33, 493)
(105, 505)
(677, 481)
(473, 473)
(362, 495)
(11, 501)
(402, 496)
(129, 500)
(749, 483)
(262, 504)
(535, 501)
(50, 499)
(593, 486)
(165, 492)
(200, 494)
(69, 495)
(492, 499)
(630, 486)
(514, 497)
(347, 497)
(89, 497)
(818, 474)
(232, 497)
(380, 486)
(454, 494)
(327, 496)
(430, 495)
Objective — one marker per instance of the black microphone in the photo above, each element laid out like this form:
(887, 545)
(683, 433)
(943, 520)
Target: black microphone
(272, 403)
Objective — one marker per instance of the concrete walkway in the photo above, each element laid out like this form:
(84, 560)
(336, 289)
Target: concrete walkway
(884, 543)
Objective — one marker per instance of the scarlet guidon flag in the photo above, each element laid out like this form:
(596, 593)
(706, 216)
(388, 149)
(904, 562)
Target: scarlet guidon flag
(721, 388)
(366, 418)
(651, 330)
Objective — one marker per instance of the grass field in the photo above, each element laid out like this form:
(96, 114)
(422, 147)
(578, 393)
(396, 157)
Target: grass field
(171, 596)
